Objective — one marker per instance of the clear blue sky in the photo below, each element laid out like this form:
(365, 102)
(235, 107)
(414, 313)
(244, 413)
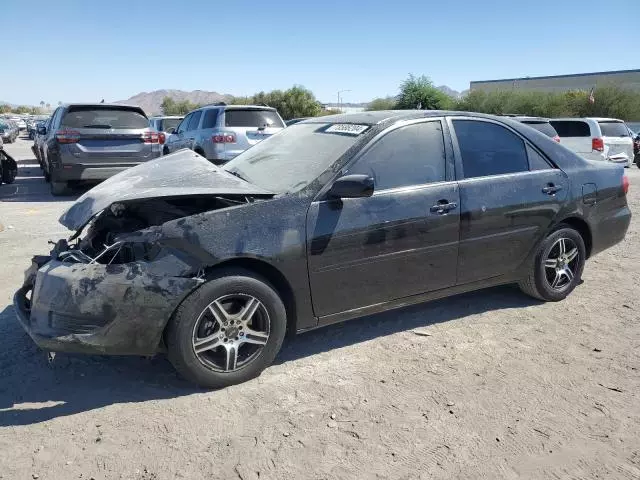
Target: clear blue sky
(86, 50)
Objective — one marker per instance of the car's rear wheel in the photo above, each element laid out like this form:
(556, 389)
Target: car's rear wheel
(557, 267)
(227, 331)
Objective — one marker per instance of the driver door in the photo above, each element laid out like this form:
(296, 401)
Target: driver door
(396, 243)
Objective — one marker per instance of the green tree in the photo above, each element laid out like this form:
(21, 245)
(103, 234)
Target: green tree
(171, 107)
(22, 109)
(419, 92)
(4, 108)
(295, 102)
(386, 103)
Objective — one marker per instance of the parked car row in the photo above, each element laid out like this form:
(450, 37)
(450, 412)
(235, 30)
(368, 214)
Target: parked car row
(333, 218)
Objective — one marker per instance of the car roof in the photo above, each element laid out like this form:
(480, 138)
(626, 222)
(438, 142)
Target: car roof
(379, 116)
(236, 107)
(525, 118)
(583, 119)
(162, 117)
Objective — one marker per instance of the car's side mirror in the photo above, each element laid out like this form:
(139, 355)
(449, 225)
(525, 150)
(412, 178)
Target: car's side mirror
(42, 130)
(352, 186)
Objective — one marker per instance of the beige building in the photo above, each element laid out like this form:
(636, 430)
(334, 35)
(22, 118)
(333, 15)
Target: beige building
(558, 83)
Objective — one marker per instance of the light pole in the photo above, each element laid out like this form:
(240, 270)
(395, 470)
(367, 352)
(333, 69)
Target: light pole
(339, 92)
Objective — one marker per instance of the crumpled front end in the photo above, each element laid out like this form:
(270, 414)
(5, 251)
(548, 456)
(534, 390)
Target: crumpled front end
(95, 308)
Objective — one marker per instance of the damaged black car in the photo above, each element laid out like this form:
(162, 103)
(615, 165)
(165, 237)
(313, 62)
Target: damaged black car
(331, 219)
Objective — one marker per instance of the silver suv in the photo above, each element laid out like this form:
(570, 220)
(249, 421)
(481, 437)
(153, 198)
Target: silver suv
(220, 132)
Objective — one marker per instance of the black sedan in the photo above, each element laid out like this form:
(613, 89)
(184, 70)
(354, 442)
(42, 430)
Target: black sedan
(331, 219)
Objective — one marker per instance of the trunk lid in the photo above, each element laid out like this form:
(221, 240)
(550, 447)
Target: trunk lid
(179, 174)
(97, 144)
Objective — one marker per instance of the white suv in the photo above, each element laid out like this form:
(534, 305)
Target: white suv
(596, 138)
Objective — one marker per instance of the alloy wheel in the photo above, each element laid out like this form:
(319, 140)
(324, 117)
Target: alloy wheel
(231, 332)
(561, 263)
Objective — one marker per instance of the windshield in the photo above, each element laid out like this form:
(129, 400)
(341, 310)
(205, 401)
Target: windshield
(166, 124)
(293, 158)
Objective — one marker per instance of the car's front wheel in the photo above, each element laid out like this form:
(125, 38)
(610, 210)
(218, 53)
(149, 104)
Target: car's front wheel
(227, 331)
(557, 267)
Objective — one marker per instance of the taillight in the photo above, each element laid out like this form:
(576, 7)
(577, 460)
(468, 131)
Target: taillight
(161, 138)
(597, 144)
(557, 138)
(151, 137)
(224, 137)
(67, 136)
(625, 184)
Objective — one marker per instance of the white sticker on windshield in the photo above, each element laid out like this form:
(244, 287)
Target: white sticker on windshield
(348, 128)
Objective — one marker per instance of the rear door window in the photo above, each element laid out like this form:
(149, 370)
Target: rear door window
(613, 129)
(195, 120)
(410, 155)
(210, 117)
(489, 149)
(571, 128)
(252, 118)
(104, 118)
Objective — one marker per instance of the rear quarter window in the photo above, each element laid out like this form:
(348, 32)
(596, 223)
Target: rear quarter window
(91, 117)
(571, 128)
(613, 129)
(252, 118)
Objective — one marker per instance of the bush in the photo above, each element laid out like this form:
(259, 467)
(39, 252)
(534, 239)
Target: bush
(610, 101)
(387, 103)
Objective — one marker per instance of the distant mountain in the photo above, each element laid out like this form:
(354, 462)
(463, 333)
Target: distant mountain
(449, 91)
(150, 101)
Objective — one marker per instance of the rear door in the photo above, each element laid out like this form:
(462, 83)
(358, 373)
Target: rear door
(618, 144)
(575, 135)
(251, 126)
(110, 134)
(509, 196)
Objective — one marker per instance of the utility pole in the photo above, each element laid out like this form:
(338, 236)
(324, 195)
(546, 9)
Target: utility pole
(339, 103)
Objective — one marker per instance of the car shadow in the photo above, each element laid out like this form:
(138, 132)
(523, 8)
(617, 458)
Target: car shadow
(32, 390)
(30, 186)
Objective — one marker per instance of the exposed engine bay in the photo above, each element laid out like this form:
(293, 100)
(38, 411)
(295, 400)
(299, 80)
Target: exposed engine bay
(103, 241)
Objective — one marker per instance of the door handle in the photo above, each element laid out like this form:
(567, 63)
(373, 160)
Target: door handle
(443, 206)
(551, 189)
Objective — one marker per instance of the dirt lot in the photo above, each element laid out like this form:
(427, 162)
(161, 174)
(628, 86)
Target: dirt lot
(483, 385)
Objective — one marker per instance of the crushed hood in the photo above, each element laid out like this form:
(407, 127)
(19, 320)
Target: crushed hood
(179, 174)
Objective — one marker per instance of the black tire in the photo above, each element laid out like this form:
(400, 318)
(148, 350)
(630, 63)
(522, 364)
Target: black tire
(165, 151)
(8, 174)
(59, 188)
(181, 328)
(536, 284)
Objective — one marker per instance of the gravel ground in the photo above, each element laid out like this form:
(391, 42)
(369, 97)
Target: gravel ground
(484, 385)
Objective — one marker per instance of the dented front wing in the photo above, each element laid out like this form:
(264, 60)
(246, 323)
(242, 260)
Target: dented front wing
(98, 309)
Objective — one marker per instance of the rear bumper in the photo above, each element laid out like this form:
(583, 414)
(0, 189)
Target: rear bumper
(610, 229)
(94, 171)
(97, 309)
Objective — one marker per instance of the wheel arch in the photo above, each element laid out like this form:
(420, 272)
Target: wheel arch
(582, 227)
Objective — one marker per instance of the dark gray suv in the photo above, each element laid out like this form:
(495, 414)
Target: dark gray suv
(92, 142)
(221, 132)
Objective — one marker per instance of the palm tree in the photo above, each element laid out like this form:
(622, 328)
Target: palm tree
(41, 103)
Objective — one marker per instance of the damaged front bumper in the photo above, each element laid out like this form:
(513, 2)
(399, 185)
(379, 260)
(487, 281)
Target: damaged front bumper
(96, 308)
